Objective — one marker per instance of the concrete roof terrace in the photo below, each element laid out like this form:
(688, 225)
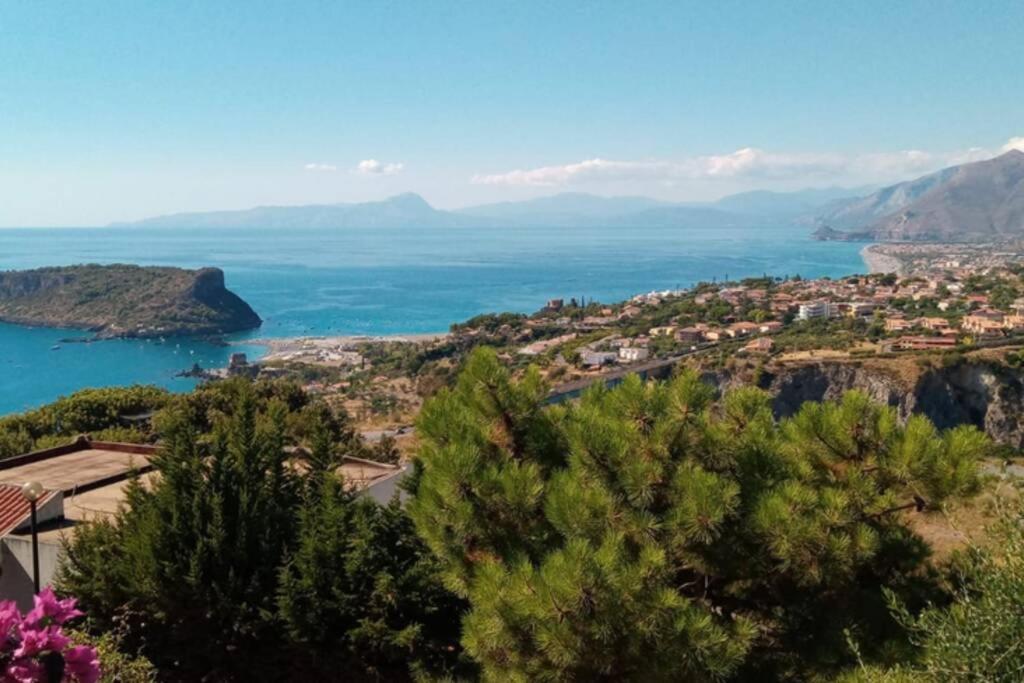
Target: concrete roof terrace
(78, 466)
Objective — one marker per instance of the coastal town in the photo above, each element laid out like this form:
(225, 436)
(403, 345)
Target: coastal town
(919, 299)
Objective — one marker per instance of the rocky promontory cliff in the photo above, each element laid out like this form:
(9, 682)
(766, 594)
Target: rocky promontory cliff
(982, 391)
(125, 300)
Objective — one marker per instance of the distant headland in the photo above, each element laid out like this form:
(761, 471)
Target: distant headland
(125, 301)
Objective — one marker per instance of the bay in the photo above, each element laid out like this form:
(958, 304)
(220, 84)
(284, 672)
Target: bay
(375, 281)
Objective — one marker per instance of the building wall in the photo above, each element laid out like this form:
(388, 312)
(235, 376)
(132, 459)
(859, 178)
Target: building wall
(383, 491)
(16, 568)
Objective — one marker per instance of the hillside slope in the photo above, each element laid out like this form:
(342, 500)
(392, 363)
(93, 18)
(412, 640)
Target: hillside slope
(124, 300)
(977, 202)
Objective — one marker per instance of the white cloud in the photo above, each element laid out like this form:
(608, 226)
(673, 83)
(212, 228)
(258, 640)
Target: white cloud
(748, 163)
(321, 167)
(583, 170)
(374, 167)
(743, 162)
(1014, 143)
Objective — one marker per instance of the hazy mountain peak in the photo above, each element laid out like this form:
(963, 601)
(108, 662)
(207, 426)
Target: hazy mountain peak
(408, 200)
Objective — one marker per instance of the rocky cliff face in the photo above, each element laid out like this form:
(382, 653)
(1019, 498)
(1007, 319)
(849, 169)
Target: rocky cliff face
(985, 394)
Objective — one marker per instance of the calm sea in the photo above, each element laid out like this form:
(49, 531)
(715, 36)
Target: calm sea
(306, 282)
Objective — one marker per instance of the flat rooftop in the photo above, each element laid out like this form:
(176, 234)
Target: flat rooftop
(90, 475)
(97, 503)
(83, 464)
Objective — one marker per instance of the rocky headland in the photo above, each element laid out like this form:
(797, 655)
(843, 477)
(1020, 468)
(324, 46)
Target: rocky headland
(125, 301)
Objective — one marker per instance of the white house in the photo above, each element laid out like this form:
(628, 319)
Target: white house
(632, 354)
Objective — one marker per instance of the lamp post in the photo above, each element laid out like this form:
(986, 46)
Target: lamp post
(32, 491)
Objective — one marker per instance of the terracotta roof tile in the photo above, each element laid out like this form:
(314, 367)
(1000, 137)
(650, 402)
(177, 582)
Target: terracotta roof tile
(14, 509)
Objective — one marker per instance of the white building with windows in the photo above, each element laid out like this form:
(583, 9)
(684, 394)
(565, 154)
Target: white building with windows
(817, 309)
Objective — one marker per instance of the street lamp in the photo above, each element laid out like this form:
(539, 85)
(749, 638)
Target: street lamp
(32, 491)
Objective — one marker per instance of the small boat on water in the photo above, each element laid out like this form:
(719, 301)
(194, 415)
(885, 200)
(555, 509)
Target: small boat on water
(55, 347)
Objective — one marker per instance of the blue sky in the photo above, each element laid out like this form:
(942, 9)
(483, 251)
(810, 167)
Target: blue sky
(117, 110)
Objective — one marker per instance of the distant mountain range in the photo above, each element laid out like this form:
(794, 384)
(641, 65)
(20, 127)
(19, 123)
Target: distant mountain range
(976, 202)
(404, 210)
(568, 210)
(981, 201)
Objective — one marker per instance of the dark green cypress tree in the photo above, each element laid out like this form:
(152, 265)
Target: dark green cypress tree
(362, 594)
(190, 566)
(234, 564)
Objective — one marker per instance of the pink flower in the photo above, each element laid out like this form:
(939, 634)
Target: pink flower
(34, 641)
(24, 671)
(10, 618)
(48, 609)
(82, 664)
(37, 637)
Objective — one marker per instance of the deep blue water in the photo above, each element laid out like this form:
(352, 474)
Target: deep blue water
(376, 282)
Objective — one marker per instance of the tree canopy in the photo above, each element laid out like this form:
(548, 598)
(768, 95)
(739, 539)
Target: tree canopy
(651, 532)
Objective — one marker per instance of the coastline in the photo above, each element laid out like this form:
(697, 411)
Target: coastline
(878, 262)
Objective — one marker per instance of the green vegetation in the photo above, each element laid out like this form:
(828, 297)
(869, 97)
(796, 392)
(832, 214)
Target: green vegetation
(99, 412)
(821, 333)
(649, 533)
(491, 322)
(124, 300)
(214, 568)
(977, 637)
(115, 665)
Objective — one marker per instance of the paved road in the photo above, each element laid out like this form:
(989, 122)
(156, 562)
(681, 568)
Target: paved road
(651, 369)
(375, 435)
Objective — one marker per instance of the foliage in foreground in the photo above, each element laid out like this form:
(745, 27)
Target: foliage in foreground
(115, 665)
(980, 636)
(650, 533)
(211, 566)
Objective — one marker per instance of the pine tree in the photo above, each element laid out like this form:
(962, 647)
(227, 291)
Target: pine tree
(652, 533)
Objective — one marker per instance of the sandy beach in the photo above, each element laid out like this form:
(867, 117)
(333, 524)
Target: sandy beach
(292, 348)
(878, 262)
